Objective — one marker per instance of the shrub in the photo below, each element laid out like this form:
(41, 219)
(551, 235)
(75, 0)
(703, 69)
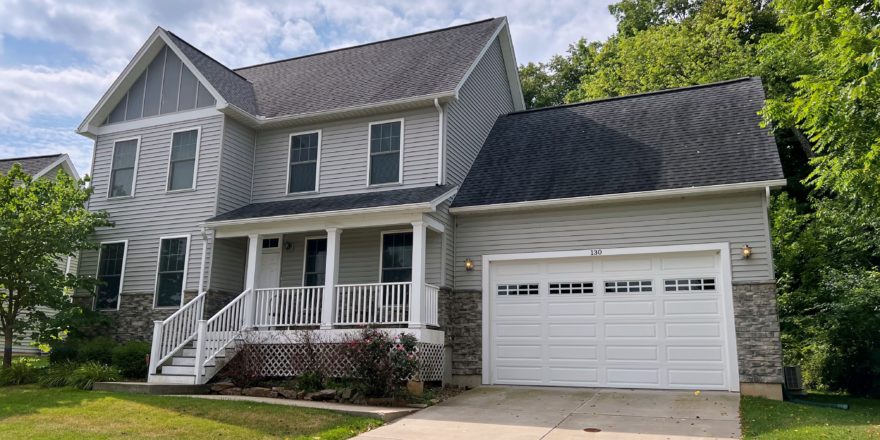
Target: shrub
(85, 376)
(22, 371)
(63, 351)
(381, 364)
(311, 362)
(58, 375)
(131, 359)
(97, 350)
(246, 368)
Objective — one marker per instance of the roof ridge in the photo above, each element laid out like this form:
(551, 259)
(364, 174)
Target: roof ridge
(365, 44)
(39, 156)
(638, 95)
(205, 55)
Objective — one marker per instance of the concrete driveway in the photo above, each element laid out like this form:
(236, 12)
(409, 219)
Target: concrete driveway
(570, 413)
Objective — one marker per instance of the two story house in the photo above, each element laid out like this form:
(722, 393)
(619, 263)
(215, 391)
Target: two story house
(401, 184)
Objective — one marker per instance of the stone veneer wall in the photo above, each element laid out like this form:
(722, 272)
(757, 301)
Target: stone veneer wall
(757, 333)
(756, 320)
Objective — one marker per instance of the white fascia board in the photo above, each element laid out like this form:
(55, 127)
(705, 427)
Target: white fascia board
(449, 194)
(519, 102)
(65, 162)
(639, 195)
(151, 121)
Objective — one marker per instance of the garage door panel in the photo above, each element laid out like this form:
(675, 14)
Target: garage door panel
(621, 321)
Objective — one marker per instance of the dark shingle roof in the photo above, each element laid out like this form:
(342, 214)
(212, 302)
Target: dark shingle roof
(679, 138)
(335, 203)
(416, 65)
(235, 89)
(31, 165)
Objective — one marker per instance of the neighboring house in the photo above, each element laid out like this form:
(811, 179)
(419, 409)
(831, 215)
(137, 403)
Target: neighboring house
(401, 184)
(46, 167)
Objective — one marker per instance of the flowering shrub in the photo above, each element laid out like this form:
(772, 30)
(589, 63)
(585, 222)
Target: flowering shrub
(382, 363)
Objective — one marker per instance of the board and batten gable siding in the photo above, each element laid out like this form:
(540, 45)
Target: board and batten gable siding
(739, 219)
(344, 156)
(483, 97)
(236, 166)
(153, 213)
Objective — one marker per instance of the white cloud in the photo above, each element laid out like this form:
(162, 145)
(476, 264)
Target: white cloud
(297, 35)
(36, 90)
(18, 140)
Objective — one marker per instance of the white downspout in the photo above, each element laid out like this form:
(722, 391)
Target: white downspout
(202, 266)
(440, 142)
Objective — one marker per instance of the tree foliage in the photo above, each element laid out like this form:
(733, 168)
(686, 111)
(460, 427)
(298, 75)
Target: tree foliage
(819, 62)
(41, 222)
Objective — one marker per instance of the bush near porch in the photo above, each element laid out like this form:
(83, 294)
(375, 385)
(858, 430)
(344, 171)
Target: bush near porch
(41, 413)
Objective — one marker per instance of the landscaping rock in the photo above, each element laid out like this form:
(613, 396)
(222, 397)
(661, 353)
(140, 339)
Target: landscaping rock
(346, 393)
(321, 396)
(220, 386)
(301, 395)
(380, 401)
(417, 405)
(288, 393)
(260, 392)
(234, 391)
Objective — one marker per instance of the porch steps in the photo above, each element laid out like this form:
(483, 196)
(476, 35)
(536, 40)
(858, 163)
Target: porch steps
(179, 369)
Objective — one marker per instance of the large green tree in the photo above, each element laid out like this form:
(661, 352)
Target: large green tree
(41, 221)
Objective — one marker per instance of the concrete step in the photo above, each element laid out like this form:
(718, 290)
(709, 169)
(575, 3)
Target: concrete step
(183, 370)
(188, 361)
(172, 379)
(191, 352)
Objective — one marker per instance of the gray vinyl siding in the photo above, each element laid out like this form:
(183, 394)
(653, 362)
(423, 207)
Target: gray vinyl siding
(153, 213)
(343, 156)
(735, 218)
(228, 265)
(435, 262)
(484, 96)
(236, 166)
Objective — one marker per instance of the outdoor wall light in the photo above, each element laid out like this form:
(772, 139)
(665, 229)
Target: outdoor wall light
(747, 251)
(288, 245)
(468, 264)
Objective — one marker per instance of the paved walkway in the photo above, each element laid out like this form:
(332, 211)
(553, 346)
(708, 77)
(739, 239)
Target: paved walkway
(531, 413)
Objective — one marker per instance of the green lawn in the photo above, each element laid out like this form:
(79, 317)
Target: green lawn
(30, 412)
(769, 419)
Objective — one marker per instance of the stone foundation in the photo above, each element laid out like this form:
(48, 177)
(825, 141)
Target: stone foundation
(757, 333)
(464, 332)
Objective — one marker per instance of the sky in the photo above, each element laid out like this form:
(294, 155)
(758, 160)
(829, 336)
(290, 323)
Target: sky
(58, 57)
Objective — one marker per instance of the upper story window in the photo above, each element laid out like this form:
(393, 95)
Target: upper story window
(386, 147)
(123, 168)
(302, 173)
(182, 164)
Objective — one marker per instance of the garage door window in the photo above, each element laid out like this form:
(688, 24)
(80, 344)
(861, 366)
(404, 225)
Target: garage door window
(517, 289)
(641, 286)
(690, 285)
(571, 288)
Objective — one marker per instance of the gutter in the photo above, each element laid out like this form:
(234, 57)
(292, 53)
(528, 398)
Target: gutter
(639, 195)
(440, 141)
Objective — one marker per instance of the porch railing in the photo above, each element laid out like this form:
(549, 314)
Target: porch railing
(175, 331)
(215, 334)
(375, 303)
(288, 306)
(429, 303)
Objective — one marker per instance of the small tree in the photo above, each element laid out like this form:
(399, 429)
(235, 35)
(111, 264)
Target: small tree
(41, 221)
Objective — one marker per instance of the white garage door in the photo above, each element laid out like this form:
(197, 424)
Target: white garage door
(642, 321)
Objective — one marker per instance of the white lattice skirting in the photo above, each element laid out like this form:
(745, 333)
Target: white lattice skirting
(289, 360)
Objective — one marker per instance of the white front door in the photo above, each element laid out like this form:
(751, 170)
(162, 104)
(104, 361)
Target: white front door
(636, 321)
(270, 263)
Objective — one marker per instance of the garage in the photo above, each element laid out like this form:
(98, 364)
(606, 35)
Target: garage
(639, 318)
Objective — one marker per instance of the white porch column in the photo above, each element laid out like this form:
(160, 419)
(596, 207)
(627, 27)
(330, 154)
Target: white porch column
(331, 276)
(250, 280)
(417, 293)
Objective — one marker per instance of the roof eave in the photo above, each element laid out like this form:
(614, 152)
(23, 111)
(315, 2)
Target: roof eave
(631, 196)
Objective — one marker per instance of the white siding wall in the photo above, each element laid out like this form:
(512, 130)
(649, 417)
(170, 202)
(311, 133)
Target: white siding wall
(735, 218)
(483, 97)
(152, 212)
(344, 147)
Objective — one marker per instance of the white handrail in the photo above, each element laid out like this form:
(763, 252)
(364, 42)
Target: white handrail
(288, 306)
(215, 334)
(174, 332)
(429, 304)
(372, 303)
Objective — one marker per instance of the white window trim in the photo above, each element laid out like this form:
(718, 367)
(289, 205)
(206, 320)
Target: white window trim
(137, 157)
(168, 189)
(382, 249)
(370, 155)
(121, 275)
(317, 163)
(306, 255)
(185, 270)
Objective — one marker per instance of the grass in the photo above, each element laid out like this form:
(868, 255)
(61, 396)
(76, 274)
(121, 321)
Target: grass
(769, 419)
(31, 412)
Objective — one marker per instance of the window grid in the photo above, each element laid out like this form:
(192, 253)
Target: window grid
(110, 267)
(303, 165)
(576, 288)
(270, 243)
(172, 264)
(517, 289)
(122, 174)
(689, 285)
(397, 257)
(316, 260)
(637, 286)
(182, 169)
(385, 146)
